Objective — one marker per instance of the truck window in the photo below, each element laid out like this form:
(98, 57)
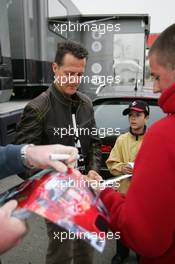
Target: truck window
(57, 10)
(59, 13)
(128, 60)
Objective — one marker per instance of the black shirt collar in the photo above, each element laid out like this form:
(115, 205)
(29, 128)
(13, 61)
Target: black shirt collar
(137, 135)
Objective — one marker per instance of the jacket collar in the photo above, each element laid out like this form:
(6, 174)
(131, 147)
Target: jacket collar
(137, 135)
(75, 98)
(167, 100)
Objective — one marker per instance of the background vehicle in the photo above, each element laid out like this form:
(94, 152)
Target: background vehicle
(108, 107)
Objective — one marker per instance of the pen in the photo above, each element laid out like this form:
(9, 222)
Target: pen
(61, 157)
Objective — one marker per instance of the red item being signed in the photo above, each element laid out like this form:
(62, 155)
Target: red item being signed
(66, 200)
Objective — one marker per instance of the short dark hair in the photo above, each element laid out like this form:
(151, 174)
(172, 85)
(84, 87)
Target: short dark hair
(164, 47)
(70, 47)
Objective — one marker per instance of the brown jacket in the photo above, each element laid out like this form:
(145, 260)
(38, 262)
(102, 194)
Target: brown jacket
(49, 113)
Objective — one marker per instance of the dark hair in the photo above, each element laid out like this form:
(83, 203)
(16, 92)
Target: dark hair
(70, 47)
(164, 47)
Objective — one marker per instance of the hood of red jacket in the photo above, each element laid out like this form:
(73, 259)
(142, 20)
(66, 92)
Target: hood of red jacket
(167, 100)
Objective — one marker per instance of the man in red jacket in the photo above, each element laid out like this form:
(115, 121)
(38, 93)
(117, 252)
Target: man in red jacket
(146, 216)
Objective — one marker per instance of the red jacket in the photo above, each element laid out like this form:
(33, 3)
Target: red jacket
(146, 216)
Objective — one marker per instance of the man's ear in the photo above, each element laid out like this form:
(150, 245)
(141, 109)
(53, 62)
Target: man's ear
(147, 117)
(55, 67)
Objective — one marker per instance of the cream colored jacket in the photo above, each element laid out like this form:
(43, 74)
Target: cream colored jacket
(125, 150)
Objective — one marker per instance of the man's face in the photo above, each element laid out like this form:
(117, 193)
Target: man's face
(163, 76)
(137, 120)
(68, 75)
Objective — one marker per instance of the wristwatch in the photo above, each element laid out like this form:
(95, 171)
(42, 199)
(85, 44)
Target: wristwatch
(23, 153)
